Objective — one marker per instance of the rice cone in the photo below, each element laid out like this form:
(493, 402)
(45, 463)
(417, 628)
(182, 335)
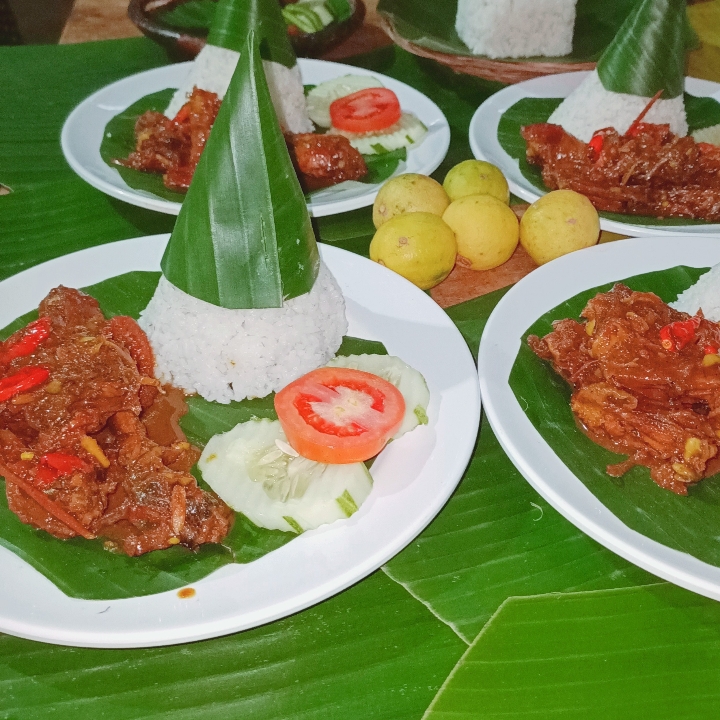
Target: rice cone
(243, 238)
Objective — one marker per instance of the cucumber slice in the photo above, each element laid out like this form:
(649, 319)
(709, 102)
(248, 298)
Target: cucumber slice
(407, 380)
(406, 132)
(323, 95)
(255, 471)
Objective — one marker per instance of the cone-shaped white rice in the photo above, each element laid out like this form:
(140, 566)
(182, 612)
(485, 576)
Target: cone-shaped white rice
(516, 28)
(590, 107)
(225, 355)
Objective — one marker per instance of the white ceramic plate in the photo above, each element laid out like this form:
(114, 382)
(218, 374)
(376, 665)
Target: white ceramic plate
(539, 292)
(485, 146)
(413, 476)
(83, 131)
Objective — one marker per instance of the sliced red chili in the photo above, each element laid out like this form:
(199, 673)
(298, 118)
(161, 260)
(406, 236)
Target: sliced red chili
(56, 465)
(23, 380)
(183, 114)
(710, 350)
(65, 464)
(677, 335)
(28, 342)
(45, 476)
(596, 143)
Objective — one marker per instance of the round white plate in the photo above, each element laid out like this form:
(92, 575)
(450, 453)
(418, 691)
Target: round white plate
(413, 476)
(536, 294)
(485, 146)
(84, 128)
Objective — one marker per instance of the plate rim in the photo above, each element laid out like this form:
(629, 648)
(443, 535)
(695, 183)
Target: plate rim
(148, 201)
(485, 146)
(527, 449)
(25, 284)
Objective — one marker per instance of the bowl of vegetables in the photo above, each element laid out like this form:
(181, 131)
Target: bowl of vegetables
(314, 26)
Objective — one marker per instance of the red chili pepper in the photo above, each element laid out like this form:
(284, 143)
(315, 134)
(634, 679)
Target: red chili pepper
(677, 335)
(596, 143)
(34, 334)
(183, 114)
(24, 379)
(55, 465)
(710, 350)
(45, 476)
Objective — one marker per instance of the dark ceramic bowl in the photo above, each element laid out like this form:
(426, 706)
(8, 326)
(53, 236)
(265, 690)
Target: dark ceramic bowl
(186, 42)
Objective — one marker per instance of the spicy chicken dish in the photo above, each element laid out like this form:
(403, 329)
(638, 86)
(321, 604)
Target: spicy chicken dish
(172, 147)
(647, 171)
(89, 440)
(645, 383)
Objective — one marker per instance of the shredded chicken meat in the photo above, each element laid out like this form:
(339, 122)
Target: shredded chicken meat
(646, 383)
(90, 445)
(647, 171)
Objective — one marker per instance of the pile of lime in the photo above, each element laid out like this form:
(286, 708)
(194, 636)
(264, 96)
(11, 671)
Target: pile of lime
(424, 228)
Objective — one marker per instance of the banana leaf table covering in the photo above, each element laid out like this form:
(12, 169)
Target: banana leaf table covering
(499, 609)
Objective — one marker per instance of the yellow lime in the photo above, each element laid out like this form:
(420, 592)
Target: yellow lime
(486, 231)
(419, 246)
(559, 223)
(476, 177)
(409, 193)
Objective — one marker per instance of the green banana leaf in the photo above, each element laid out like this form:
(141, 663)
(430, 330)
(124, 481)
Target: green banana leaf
(648, 53)
(119, 141)
(690, 524)
(243, 237)
(387, 646)
(701, 112)
(193, 15)
(599, 655)
(83, 568)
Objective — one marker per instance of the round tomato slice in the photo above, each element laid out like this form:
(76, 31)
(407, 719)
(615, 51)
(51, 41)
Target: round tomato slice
(339, 415)
(366, 110)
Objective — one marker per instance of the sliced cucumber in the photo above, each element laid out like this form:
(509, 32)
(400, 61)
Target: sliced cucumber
(407, 380)
(323, 95)
(255, 471)
(408, 131)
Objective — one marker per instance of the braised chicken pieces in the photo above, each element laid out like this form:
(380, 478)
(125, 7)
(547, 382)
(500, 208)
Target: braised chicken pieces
(324, 160)
(173, 147)
(89, 443)
(646, 383)
(647, 171)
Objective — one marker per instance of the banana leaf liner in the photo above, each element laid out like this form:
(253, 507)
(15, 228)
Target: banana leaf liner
(690, 524)
(83, 568)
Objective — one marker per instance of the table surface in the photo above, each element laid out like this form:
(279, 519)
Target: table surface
(499, 609)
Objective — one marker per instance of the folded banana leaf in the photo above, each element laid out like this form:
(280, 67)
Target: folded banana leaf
(702, 112)
(690, 524)
(83, 568)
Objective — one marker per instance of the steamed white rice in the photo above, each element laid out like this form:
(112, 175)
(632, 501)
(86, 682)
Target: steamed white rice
(213, 68)
(703, 295)
(516, 28)
(225, 355)
(590, 107)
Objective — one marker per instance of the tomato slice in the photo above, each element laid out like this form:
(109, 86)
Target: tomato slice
(366, 110)
(339, 415)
